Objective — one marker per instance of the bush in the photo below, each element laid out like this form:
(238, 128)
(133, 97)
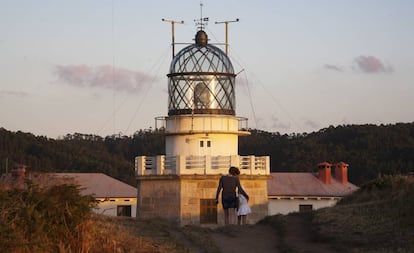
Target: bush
(51, 219)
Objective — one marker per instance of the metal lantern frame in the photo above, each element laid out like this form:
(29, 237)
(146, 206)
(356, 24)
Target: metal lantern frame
(201, 81)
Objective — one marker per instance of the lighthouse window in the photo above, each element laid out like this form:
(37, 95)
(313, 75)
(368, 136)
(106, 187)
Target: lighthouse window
(208, 144)
(201, 144)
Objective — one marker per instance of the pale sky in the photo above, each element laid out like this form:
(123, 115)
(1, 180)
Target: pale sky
(304, 64)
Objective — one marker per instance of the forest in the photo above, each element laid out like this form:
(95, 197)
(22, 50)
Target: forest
(370, 150)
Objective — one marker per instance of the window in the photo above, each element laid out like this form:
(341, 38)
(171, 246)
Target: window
(208, 211)
(201, 144)
(304, 208)
(208, 144)
(123, 210)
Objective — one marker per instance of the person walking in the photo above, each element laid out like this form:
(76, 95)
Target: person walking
(227, 185)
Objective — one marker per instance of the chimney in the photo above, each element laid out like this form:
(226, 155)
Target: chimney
(324, 170)
(341, 172)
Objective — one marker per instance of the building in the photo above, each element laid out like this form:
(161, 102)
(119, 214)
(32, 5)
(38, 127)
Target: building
(300, 191)
(202, 132)
(115, 198)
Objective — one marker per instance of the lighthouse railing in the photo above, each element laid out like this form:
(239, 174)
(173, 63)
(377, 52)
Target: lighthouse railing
(201, 165)
(207, 123)
(243, 123)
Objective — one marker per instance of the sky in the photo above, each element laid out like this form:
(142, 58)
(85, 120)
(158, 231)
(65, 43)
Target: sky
(99, 66)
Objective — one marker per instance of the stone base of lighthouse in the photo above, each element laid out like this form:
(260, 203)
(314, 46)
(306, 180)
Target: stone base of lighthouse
(189, 199)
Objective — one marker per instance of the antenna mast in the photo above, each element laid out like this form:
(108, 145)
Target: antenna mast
(227, 32)
(172, 33)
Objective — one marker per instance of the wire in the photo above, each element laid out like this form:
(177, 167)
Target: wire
(268, 92)
(147, 90)
(247, 87)
(251, 100)
(127, 96)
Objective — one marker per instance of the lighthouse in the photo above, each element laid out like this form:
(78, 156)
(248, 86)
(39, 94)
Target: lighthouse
(201, 102)
(201, 142)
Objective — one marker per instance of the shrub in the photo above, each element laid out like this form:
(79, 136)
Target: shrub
(48, 219)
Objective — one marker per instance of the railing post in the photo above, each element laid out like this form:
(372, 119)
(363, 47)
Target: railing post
(252, 165)
(234, 161)
(139, 165)
(267, 168)
(159, 165)
(180, 164)
(207, 166)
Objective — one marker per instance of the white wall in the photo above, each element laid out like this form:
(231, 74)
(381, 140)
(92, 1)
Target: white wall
(109, 206)
(285, 205)
(187, 145)
(185, 132)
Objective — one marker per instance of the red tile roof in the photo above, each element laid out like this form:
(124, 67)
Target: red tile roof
(306, 184)
(100, 185)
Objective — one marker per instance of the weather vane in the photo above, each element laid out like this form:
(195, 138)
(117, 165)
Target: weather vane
(202, 22)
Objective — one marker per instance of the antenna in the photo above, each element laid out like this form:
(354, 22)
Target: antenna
(227, 32)
(202, 21)
(172, 33)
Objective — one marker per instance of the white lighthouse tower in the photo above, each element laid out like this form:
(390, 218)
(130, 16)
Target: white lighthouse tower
(201, 142)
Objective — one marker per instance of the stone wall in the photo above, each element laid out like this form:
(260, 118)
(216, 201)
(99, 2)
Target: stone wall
(159, 196)
(178, 198)
(194, 188)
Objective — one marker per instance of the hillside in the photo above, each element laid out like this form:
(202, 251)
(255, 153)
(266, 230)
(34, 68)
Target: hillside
(377, 218)
(370, 150)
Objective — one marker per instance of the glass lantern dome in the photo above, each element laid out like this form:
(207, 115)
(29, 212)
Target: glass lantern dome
(201, 80)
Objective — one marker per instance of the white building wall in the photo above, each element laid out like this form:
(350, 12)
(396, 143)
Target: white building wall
(218, 135)
(108, 206)
(187, 145)
(285, 205)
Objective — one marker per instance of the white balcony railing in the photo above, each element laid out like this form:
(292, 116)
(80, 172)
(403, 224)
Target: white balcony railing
(200, 165)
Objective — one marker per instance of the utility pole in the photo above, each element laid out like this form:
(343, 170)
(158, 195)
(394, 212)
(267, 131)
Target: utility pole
(227, 32)
(172, 32)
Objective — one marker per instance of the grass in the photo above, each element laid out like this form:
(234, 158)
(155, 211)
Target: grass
(201, 238)
(115, 234)
(377, 218)
(118, 234)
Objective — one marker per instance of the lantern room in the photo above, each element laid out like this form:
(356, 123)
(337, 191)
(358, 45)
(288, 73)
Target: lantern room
(201, 80)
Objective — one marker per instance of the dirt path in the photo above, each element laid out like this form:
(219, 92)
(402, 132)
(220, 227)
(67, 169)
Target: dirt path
(296, 238)
(250, 238)
(299, 237)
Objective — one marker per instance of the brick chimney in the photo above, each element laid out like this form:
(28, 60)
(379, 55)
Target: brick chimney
(324, 170)
(341, 172)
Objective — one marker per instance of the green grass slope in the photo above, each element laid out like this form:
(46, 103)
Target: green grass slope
(379, 217)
